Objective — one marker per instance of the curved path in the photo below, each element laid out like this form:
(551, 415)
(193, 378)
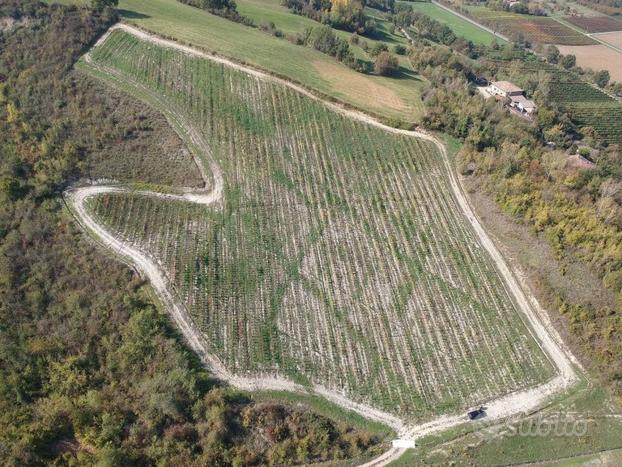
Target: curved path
(512, 404)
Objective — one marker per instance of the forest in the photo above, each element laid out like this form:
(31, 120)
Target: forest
(90, 369)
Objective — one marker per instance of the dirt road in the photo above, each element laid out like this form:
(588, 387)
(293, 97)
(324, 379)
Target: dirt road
(542, 330)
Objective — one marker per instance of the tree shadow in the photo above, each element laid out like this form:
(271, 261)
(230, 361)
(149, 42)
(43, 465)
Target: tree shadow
(129, 14)
(381, 35)
(404, 73)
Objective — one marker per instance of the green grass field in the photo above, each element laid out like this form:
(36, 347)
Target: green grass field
(263, 11)
(271, 10)
(340, 256)
(397, 98)
(460, 27)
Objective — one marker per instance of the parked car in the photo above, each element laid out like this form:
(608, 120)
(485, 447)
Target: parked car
(477, 413)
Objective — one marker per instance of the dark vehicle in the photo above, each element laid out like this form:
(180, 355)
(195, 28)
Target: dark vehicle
(477, 413)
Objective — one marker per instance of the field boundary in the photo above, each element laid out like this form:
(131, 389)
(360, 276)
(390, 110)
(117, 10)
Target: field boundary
(591, 35)
(473, 22)
(540, 327)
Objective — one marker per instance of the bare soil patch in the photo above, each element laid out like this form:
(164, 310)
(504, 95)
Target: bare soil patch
(374, 94)
(613, 38)
(596, 57)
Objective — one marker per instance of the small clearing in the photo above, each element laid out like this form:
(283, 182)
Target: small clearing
(365, 88)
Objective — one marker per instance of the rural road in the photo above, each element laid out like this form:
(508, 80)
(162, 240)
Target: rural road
(536, 318)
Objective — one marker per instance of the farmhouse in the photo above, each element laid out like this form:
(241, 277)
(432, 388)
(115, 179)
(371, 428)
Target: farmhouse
(518, 103)
(505, 89)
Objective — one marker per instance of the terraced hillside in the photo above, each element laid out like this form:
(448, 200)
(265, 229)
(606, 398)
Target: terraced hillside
(338, 254)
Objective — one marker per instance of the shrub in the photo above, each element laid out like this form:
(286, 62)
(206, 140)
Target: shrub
(552, 54)
(385, 64)
(399, 49)
(378, 48)
(270, 28)
(325, 40)
(568, 61)
(585, 152)
(601, 78)
(225, 8)
(383, 5)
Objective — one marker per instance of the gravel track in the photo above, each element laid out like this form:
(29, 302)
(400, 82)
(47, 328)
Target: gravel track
(538, 322)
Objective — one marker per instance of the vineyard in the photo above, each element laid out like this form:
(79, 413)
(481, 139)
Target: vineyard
(541, 29)
(589, 107)
(604, 118)
(567, 92)
(338, 256)
(594, 24)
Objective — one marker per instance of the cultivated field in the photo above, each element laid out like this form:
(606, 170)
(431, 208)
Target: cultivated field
(459, 26)
(338, 255)
(588, 106)
(540, 29)
(592, 24)
(597, 57)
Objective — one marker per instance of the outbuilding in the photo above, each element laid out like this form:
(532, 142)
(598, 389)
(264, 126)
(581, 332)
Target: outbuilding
(523, 104)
